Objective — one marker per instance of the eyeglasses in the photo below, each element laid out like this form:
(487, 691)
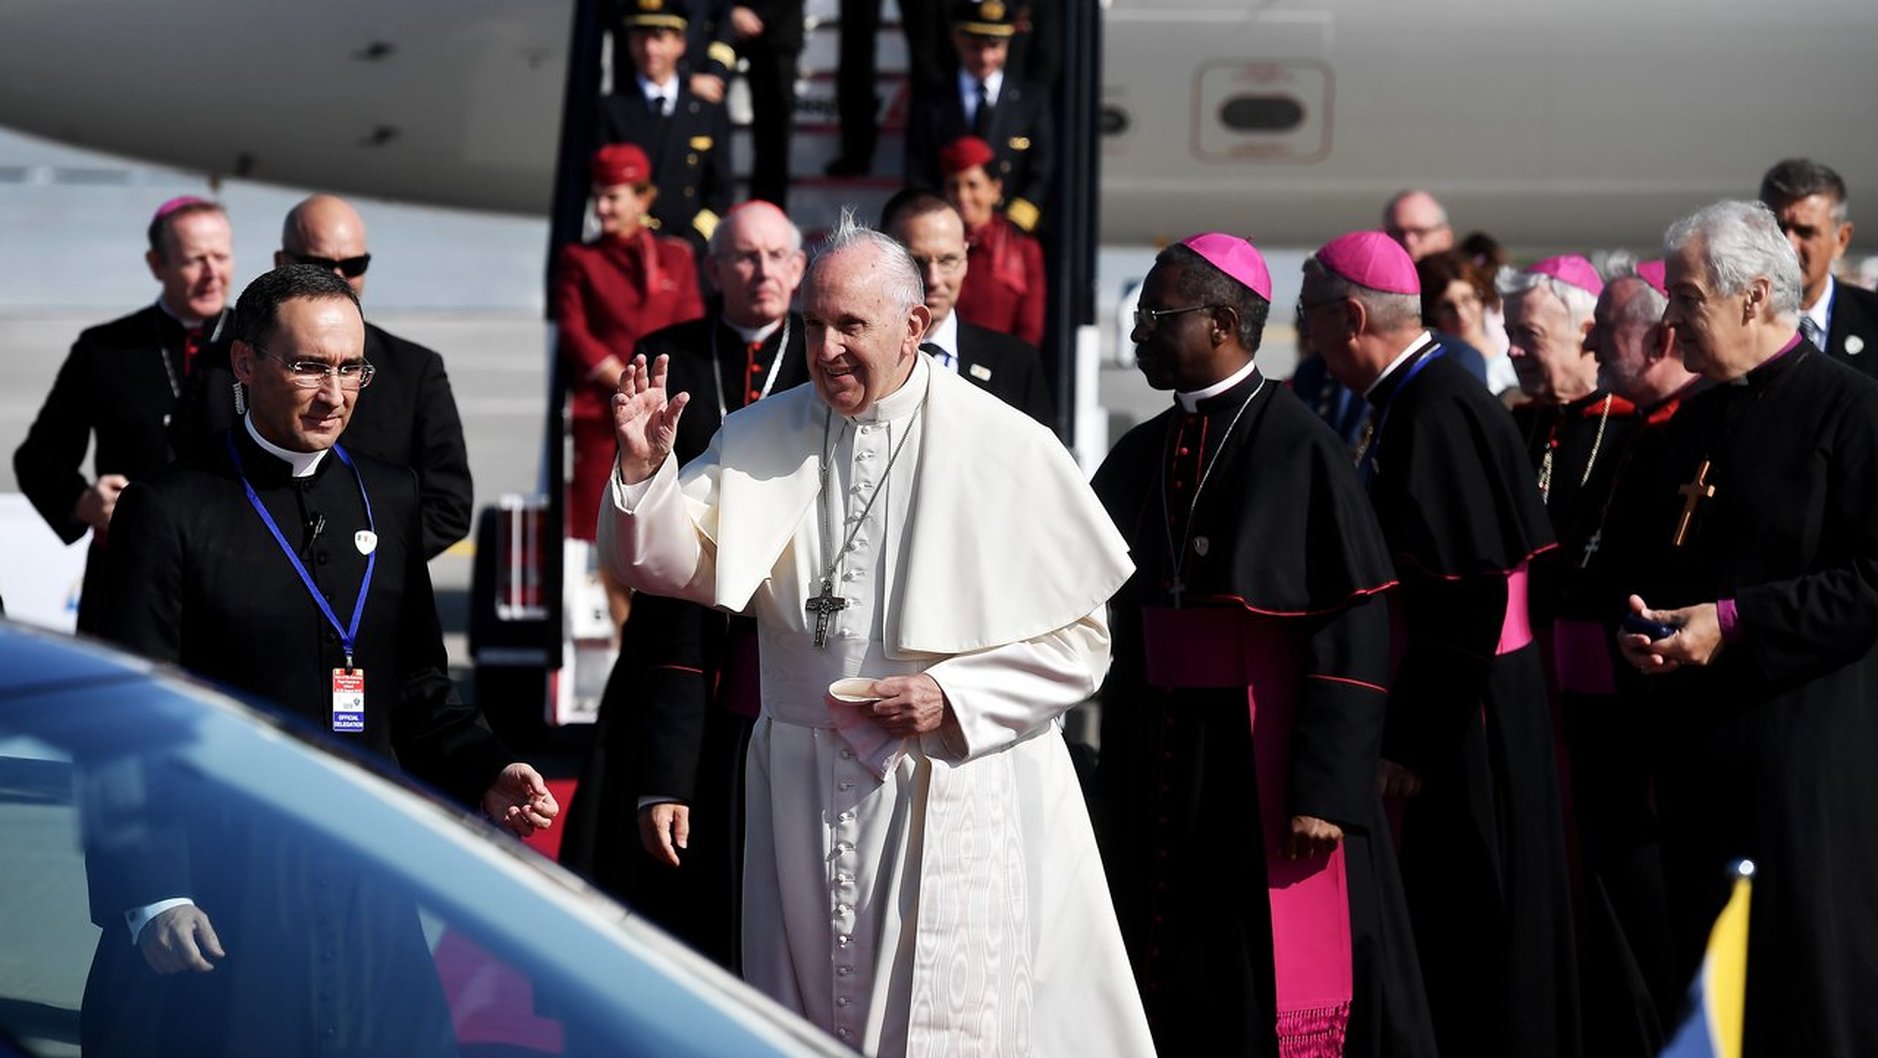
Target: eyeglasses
(350, 267)
(1148, 319)
(312, 374)
(749, 258)
(1304, 308)
(946, 263)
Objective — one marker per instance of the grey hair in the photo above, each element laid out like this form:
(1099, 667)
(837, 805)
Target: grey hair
(1644, 305)
(1387, 311)
(1796, 178)
(1579, 302)
(716, 245)
(1741, 241)
(898, 274)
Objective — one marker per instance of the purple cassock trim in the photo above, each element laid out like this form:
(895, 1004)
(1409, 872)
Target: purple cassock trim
(1516, 623)
(1229, 648)
(741, 691)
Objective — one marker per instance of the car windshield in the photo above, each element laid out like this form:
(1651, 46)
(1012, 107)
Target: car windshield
(352, 915)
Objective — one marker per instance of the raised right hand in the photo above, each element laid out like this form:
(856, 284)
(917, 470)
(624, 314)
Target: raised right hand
(645, 423)
(177, 940)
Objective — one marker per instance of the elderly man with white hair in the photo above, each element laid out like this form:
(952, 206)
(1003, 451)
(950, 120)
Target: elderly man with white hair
(920, 875)
(1758, 551)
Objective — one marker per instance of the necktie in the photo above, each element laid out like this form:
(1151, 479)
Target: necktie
(1809, 328)
(981, 117)
(655, 106)
(937, 353)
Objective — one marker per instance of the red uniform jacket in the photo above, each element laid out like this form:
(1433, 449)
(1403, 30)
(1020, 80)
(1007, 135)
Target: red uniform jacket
(1004, 285)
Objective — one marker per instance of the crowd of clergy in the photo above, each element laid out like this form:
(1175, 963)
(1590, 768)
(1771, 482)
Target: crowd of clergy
(1444, 686)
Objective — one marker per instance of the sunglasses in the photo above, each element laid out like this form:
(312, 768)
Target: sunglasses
(350, 267)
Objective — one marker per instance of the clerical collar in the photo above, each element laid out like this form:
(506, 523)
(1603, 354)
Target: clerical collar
(994, 87)
(1401, 358)
(752, 334)
(302, 463)
(945, 335)
(1190, 402)
(1767, 368)
(181, 320)
(900, 405)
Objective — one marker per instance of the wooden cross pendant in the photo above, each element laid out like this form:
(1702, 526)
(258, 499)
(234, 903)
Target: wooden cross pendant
(823, 606)
(1693, 492)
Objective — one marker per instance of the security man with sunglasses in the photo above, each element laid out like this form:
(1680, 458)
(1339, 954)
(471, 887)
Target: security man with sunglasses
(407, 417)
(281, 562)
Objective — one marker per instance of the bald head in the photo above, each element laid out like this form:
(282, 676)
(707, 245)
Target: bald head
(756, 263)
(327, 232)
(1634, 350)
(1416, 220)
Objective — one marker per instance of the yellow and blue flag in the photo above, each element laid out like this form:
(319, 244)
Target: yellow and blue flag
(1718, 998)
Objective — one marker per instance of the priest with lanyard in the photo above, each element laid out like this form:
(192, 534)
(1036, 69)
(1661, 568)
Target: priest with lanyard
(1467, 748)
(1760, 556)
(281, 565)
(1248, 851)
(657, 818)
(920, 869)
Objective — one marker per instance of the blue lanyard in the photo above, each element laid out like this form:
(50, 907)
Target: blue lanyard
(1375, 440)
(348, 635)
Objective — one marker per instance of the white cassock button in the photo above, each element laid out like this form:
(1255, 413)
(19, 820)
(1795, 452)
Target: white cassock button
(844, 971)
(847, 754)
(843, 847)
(842, 1001)
(846, 817)
(845, 785)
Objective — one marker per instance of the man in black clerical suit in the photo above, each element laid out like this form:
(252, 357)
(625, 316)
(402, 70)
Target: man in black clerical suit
(658, 817)
(1467, 749)
(1006, 367)
(687, 138)
(1243, 715)
(121, 382)
(985, 101)
(1811, 202)
(407, 417)
(1754, 540)
(278, 563)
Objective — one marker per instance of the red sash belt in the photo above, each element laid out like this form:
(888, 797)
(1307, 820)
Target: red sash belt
(1310, 905)
(1516, 624)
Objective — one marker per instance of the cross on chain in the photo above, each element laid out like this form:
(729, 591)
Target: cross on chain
(1693, 492)
(823, 606)
(1591, 548)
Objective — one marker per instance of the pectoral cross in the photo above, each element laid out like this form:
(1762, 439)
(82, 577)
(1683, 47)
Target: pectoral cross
(823, 606)
(1591, 548)
(1693, 492)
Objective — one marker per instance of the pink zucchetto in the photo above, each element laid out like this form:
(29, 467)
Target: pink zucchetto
(174, 204)
(1570, 268)
(1653, 273)
(1371, 259)
(1236, 257)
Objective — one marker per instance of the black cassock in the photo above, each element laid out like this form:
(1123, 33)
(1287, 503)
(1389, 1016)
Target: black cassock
(1766, 753)
(676, 715)
(1282, 540)
(322, 957)
(1482, 851)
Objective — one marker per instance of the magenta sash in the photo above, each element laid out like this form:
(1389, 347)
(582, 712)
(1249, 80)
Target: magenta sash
(1221, 647)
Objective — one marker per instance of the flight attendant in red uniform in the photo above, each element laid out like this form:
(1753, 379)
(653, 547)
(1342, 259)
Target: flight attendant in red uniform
(625, 283)
(1004, 285)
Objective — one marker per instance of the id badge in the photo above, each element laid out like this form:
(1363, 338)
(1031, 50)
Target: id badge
(348, 699)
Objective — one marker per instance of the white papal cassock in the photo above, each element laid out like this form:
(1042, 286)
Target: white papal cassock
(936, 896)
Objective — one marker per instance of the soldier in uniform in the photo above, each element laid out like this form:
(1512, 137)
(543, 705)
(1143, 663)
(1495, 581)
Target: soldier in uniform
(986, 101)
(686, 137)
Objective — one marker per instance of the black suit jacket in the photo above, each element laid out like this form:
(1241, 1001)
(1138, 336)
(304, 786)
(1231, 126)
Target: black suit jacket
(407, 416)
(1854, 316)
(1019, 135)
(115, 385)
(690, 154)
(1007, 368)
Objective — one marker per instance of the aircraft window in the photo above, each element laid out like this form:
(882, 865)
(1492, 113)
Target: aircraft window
(1261, 113)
